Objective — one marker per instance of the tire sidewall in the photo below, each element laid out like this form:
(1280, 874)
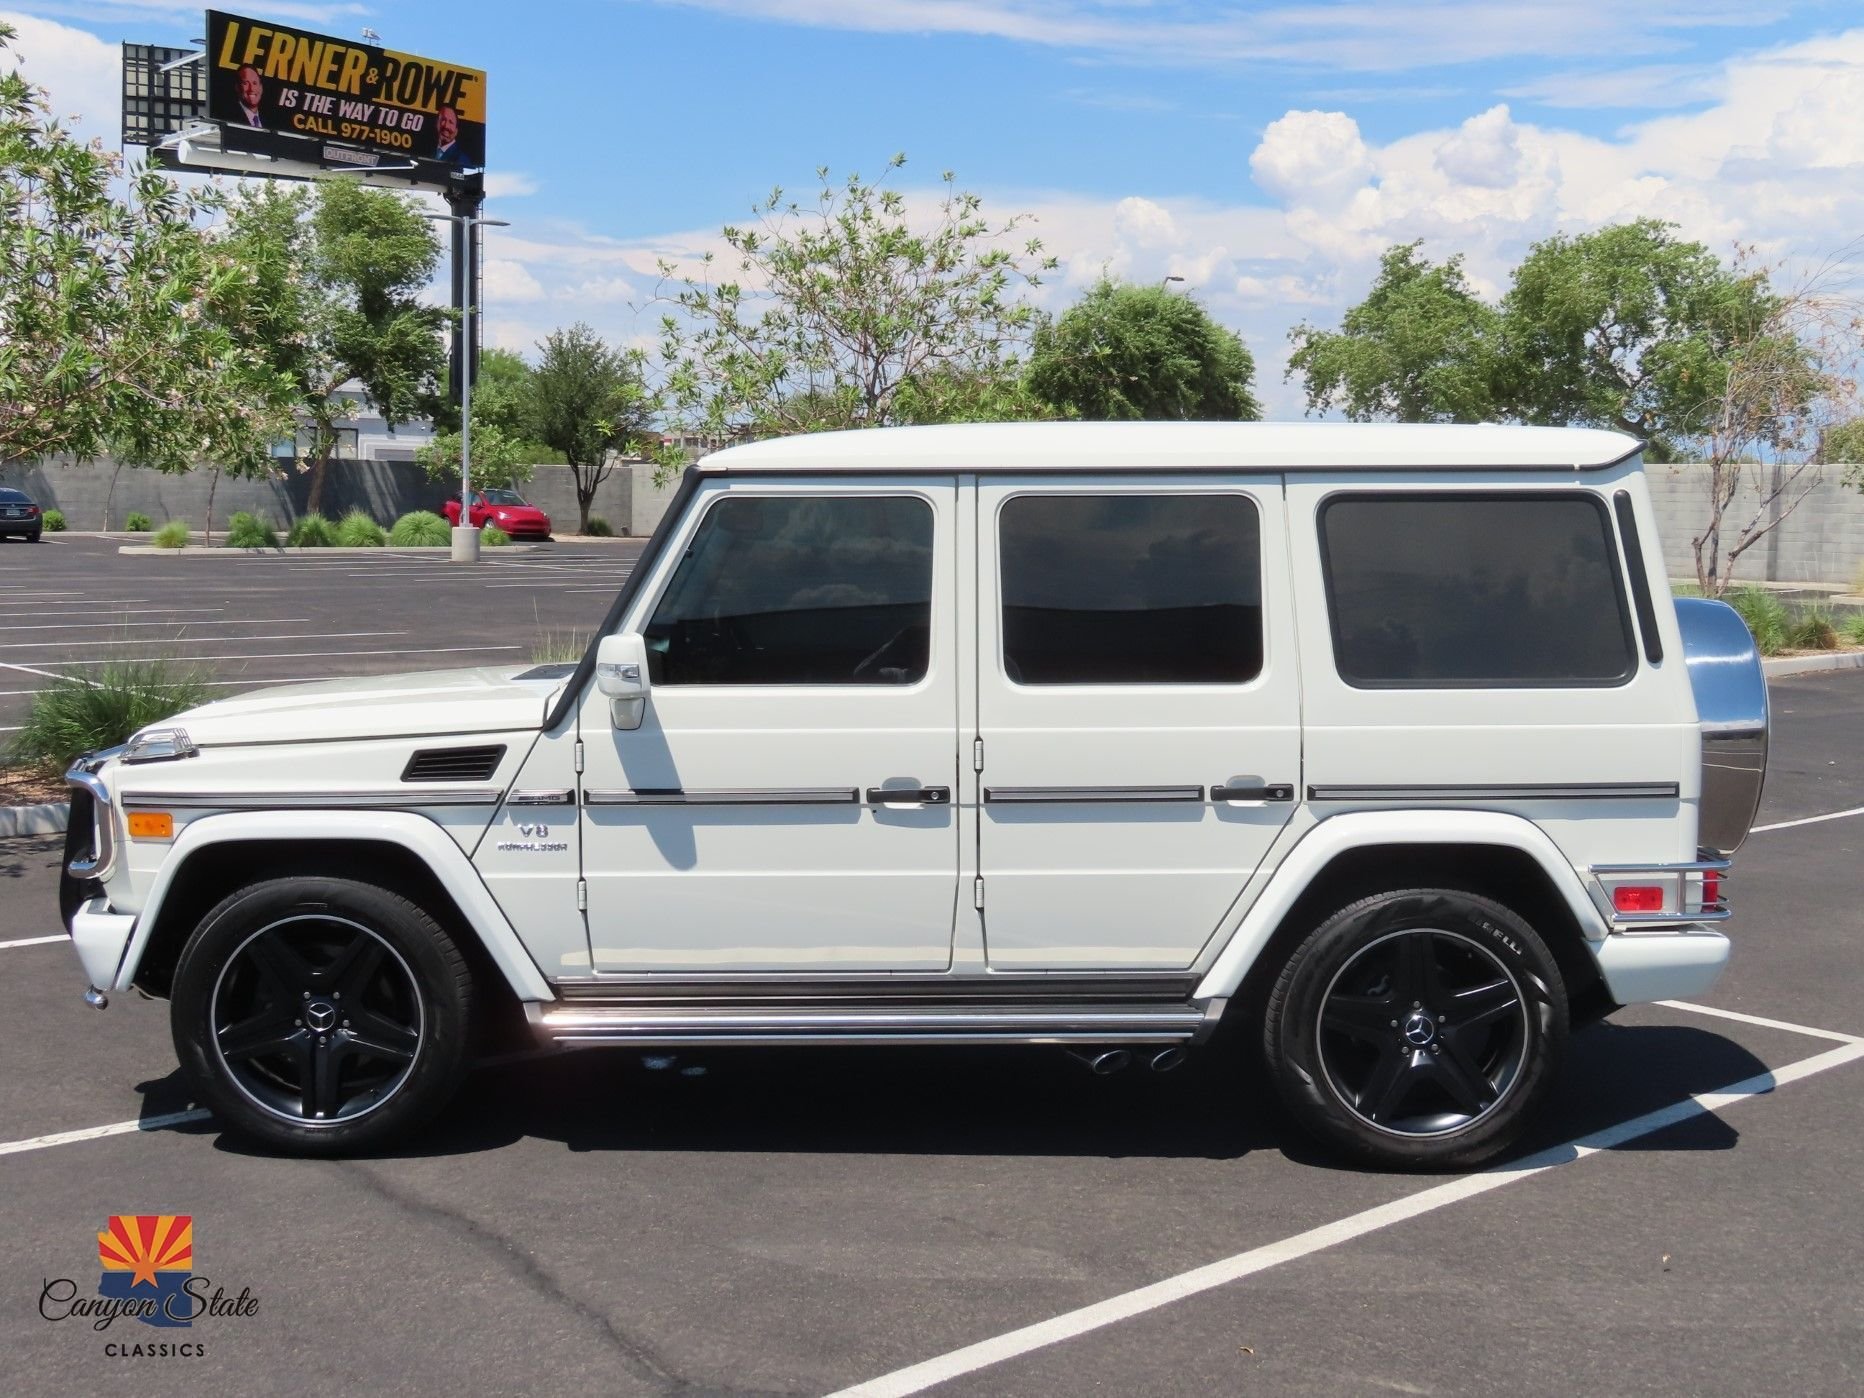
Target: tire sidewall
(439, 978)
(1292, 1026)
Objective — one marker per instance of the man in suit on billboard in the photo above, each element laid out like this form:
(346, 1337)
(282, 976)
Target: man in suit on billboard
(447, 133)
(249, 87)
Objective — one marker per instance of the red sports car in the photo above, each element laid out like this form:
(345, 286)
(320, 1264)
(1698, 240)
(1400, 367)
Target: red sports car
(506, 509)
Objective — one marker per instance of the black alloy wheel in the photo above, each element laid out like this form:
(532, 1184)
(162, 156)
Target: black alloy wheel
(1423, 1032)
(1418, 1028)
(321, 1015)
(317, 1018)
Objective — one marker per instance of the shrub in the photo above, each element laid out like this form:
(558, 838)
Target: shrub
(559, 647)
(74, 715)
(1851, 629)
(493, 537)
(173, 535)
(1765, 614)
(313, 531)
(249, 531)
(54, 521)
(138, 522)
(1811, 629)
(356, 530)
(420, 529)
(600, 528)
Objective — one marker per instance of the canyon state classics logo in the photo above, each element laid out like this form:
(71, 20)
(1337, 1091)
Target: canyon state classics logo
(150, 1257)
(148, 1275)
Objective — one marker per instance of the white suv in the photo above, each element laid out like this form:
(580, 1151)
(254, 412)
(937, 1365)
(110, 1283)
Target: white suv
(1384, 747)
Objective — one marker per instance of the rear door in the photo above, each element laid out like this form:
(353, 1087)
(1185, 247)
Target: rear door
(1139, 710)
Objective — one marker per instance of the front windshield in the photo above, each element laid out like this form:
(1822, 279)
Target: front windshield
(503, 497)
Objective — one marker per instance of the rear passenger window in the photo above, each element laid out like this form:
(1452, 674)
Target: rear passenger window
(799, 590)
(1452, 591)
(1131, 589)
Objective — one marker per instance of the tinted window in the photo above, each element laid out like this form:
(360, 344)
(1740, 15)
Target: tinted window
(1453, 591)
(1131, 589)
(799, 590)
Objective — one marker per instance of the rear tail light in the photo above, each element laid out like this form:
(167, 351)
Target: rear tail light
(32, 510)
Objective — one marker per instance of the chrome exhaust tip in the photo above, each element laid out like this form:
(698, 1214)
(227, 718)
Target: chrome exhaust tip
(1104, 1061)
(1168, 1058)
(95, 998)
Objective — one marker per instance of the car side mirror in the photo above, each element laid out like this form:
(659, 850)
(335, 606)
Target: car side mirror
(621, 675)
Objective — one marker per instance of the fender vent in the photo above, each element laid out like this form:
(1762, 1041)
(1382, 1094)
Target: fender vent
(453, 764)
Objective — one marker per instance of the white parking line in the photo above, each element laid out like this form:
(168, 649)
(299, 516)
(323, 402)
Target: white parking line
(917, 1378)
(125, 625)
(1696, 1009)
(1808, 820)
(282, 655)
(32, 942)
(45, 674)
(94, 1133)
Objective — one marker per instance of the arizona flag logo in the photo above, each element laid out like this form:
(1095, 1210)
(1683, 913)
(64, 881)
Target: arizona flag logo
(149, 1257)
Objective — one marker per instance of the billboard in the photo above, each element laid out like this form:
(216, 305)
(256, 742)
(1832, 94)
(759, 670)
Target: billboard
(272, 77)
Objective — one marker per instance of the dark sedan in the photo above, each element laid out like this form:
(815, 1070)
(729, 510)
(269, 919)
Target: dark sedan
(20, 514)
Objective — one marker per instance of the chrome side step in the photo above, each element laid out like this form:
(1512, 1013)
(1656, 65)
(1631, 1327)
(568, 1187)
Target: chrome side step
(581, 1022)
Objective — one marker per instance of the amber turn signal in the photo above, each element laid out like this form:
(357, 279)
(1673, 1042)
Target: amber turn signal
(151, 825)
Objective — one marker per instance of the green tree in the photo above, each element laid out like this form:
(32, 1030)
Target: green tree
(850, 311)
(343, 268)
(114, 309)
(498, 458)
(590, 401)
(1142, 352)
(1843, 443)
(1422, 347)
(1627, 327)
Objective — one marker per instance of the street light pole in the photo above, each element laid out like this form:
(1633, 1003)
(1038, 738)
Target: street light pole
(465, 535)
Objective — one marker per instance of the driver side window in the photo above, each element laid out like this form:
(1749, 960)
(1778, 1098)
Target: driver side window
(795, 589)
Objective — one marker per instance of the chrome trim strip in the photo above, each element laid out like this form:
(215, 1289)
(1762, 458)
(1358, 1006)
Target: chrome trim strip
(592, 1038)
(556, 796)
(1031, 795)
(1547, 791)
(103, 837)
(722, 796)
(1699, 866)
(312, 800)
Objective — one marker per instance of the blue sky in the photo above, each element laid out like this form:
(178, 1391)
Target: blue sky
(1266, 153)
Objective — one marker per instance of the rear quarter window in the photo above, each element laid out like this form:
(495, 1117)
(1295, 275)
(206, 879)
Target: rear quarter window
(1512, 590)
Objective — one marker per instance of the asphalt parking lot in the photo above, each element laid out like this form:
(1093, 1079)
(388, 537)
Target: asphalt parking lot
(72, 603)
(1685, 1219)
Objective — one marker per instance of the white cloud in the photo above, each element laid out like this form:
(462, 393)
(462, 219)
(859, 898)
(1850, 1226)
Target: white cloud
(1316, 157)
(82, 74)
(1325, 34)
(506, 281)
(1143, 223)
(509, 184)
(1483, 151)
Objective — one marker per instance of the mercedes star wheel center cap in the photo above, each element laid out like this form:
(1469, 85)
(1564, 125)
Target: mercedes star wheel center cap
(322, 1015)
(1419, 1029)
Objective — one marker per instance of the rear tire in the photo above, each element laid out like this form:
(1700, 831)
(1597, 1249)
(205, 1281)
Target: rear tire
(321, 1016)
(1418, 1028)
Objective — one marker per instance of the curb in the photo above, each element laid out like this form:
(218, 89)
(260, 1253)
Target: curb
(222, 551)
(51, 818)
(1812, 664)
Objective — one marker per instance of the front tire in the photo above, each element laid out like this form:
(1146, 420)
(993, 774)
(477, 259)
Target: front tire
(321, 1016)
(1418, 1028)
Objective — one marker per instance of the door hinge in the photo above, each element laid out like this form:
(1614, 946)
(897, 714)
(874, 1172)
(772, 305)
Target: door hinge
(582, 895)
(578, 750)
(977, 754)
(977, 895)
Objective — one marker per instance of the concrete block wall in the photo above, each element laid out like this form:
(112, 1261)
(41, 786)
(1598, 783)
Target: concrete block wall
(1820, 541)
(101, 495)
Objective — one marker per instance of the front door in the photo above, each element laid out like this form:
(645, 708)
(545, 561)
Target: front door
(1139, 709)
(787, 801)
